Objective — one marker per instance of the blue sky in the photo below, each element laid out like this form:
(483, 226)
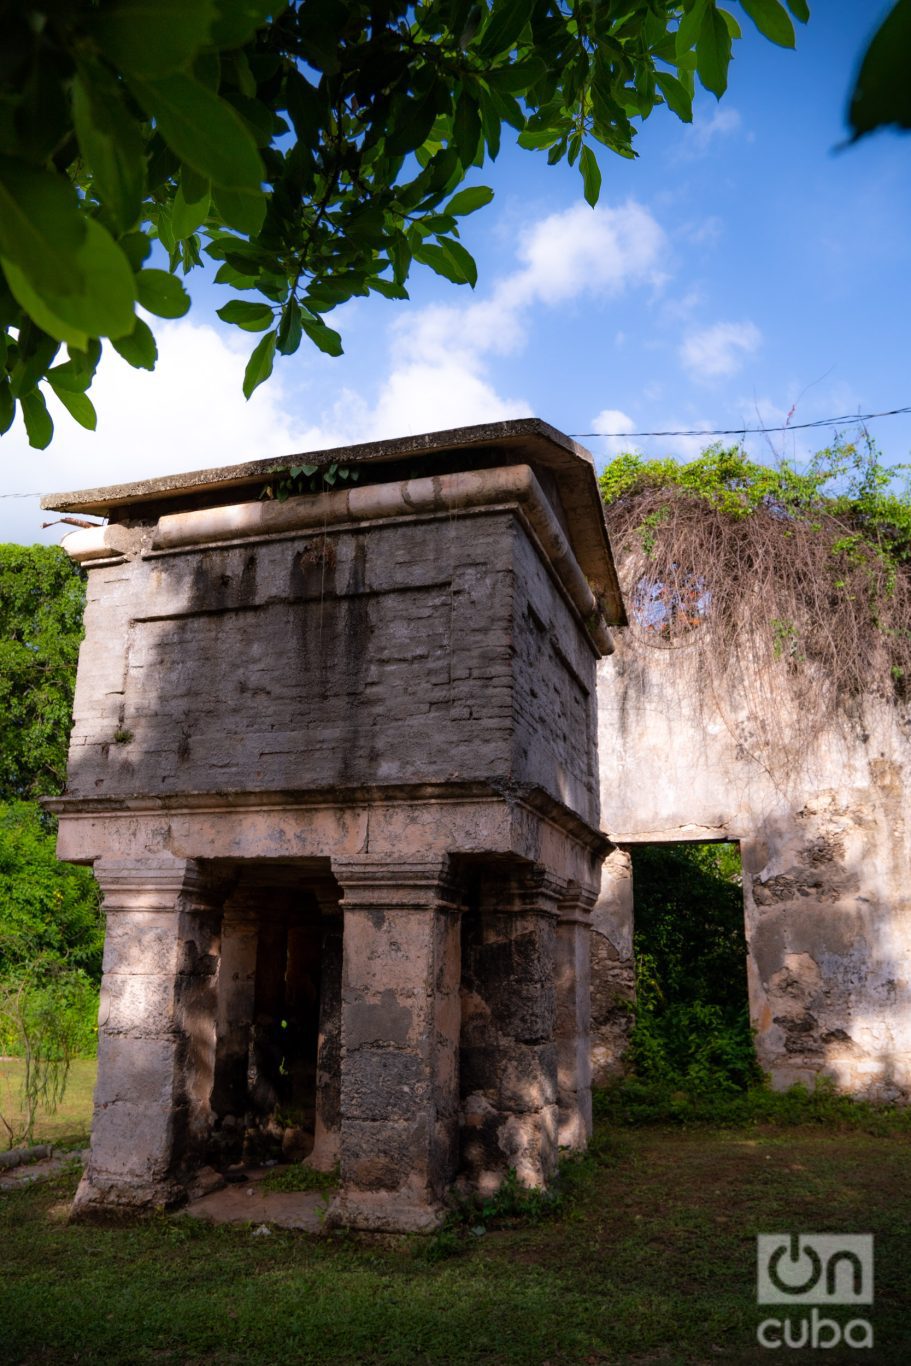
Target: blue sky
(740, 268)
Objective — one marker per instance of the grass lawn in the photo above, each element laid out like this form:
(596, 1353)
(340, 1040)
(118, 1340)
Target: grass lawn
(69, 1126)
(651, 1258)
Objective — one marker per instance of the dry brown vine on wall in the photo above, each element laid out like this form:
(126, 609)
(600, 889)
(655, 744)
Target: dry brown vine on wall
(796, 616)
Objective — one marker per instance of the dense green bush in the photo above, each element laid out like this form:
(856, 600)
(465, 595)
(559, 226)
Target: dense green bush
(42, 594)
(692, 1027)
(51, 939)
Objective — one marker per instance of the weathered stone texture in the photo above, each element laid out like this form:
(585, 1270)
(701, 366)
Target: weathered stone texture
(410, 653)
(300, 731)
(826, 858)
(156, 1034)
(509, 1080)
(613, 976)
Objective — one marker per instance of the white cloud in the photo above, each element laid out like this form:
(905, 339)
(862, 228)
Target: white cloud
(191, 413)
(441, 354)
(188, 414)
(577, 253)
(581, 251)
(719, 351)
(613, 420)
(702, 132)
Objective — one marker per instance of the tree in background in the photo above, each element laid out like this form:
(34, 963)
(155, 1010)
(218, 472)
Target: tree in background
(692, 1026)
(42, 595)
(51, 940)
(314, 150)
(51, 929)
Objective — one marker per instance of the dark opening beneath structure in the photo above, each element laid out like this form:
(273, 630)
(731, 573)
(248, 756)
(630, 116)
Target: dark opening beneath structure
(277, 1026)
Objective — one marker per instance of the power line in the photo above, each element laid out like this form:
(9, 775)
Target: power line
(849, 418)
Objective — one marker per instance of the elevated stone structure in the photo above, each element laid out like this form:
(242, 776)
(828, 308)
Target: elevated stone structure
(334, 763)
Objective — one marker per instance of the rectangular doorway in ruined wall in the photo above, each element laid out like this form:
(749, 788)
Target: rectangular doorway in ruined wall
(275, 1078)
(692, 1023)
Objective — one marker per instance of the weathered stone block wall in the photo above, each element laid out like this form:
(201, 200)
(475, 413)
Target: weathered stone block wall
(306, 734)
(410, 653)
(826, 860)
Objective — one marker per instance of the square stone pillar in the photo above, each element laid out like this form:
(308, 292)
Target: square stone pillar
(156, 1035)
(399, 1043)
(573, 1018)
(509, 1054)
(327, 1128)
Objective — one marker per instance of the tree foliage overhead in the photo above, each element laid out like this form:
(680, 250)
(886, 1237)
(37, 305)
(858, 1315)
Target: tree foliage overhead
(314, 150)
(42, 595)
(791, 588)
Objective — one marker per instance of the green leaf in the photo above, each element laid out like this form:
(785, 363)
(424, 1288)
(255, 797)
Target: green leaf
(36, 351)
(882, 94)
(241, 209)
(772, 20)
(468, 201)
(325, 337)
(104, 305)
(515, 78)
(259, 366)
(689, 27)
(7, 406)
(38, 423)
(238, 20)
(800, 10)
(191, 205)
(41, 228)
(203, 130)
(449, 259)
(290, 329)
(252, 317)
(139, 348)
(507, 20)
(152, 37)
(80, 407)
(85, 359)
(110, 142)
(162, 293)
(713, 53)
(466, 128)
(388, 288)
(734, 28)
(679, 99)
(69, 376)
(591, 175)
(136, 247)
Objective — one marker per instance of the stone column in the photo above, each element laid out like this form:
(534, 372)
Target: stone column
(613, 970)
(400, 1041)
(327, 1128)
(156, 1037)
(509, 1057)
(573, 1018)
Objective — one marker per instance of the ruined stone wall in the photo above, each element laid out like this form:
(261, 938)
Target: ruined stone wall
(356, 659)
(824, 836)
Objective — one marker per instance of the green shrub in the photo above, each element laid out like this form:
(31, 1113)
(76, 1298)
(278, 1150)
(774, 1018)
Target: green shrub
(692, 1028)
(634, 1102)
(42, 594)
(47, 908)
(51, 940)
